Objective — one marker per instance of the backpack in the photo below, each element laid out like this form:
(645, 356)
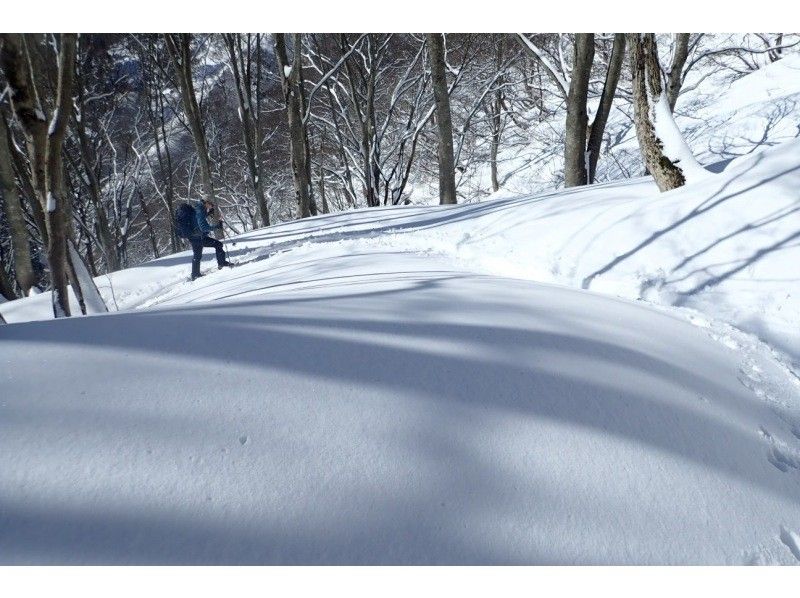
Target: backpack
(185, 221)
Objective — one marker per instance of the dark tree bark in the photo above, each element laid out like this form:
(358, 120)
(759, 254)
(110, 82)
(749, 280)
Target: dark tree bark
(6, 285)
(675, 74)
(444, 124)
(595, 142)
(646, 74)
(291, 76)
(20, 247)
(575, 171)
(178, 46)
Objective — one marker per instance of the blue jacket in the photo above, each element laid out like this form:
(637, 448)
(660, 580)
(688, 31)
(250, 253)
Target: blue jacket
(200, 216)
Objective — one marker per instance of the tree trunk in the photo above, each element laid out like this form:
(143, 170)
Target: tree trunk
(575, 167)
(57, 201)
(496, 113)
(675, 74)
(6, 287)
(447, 177)
(44, 147)
(179, 51)
(248, 120)
(20, 247)
(28, 110)
(30, 194)
(291, 81)
(595, 142)
(646, 75)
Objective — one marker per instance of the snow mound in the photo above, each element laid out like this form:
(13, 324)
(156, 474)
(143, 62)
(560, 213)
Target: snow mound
(391, 409)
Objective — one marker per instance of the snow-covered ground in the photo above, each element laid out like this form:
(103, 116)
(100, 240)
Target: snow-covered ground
(598, 375)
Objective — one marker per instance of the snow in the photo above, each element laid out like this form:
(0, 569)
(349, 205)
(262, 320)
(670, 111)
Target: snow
(92, 300)
(53, 121)
(605, 374)
(287, 71)
(389, 409)
(674, 145)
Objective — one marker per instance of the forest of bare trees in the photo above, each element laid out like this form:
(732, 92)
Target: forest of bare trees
(102, 135)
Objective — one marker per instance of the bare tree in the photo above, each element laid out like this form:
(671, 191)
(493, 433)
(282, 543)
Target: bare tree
(45, 143)
(291, 76)
(23, 267)
(582, 150)
(675, 72)
(240, 62)
(444, 123)
(575, 159)
(649, 98)
(179, 48)
(106, 237)
(595, 141)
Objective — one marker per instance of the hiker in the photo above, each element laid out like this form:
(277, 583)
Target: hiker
(191, 223)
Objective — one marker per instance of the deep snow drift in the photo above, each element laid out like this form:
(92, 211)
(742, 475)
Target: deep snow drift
(399, 386)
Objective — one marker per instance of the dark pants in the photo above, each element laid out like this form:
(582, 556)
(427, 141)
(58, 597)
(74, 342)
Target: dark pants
(197, 247)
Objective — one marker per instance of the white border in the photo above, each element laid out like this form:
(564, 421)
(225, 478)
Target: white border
(400, 582)
(399, 15)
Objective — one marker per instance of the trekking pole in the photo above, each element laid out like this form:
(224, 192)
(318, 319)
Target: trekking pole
(224, 236)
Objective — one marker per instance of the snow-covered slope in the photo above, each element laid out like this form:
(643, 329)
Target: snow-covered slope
(721, 120)
(405, 386)
(393, 409)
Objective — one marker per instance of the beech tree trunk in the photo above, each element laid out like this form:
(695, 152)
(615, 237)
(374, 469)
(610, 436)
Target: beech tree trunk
(291, 81)
(647, 89)
(444, 124)
(20, 247)
(178, 46)
(595, 142)
(675, 74)
(575, 167)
